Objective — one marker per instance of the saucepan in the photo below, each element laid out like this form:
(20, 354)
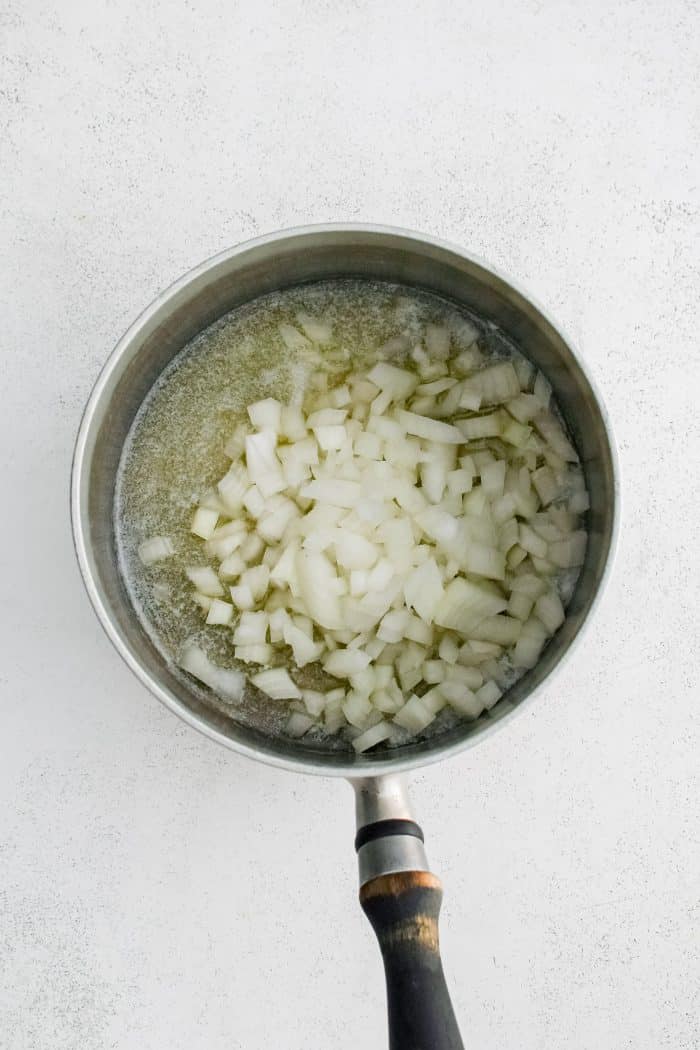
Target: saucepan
(398, 892)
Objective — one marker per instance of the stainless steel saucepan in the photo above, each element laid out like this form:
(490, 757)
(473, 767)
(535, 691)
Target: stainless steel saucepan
(397, 891)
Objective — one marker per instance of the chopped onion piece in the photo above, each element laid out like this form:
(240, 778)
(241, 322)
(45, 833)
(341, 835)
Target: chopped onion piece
(438, 525)
(291, 425)
(298, 724)
(393, 626)
(263, 465)
(223, 543)
(448, 650)
(525, 371)
(242, 597)
(433, 480)
(232, 566)
(205, 580)
(550, 611)
(423, 590)
(357, 709)
(437, 386)
(236, 443)
(220, 612)
(434, 671)
(345, 662)
(257, 579)
(338, 493)
(414, 716)
(519, 605)
(460, 481)
(204, 522)
(470, 677)
(462, 699)
(314, 701)
(304, 649)
(277, 684)
(488, 695)
(293, 339)
(155, 549)
(437, 341)
(493, 477)
(333, 716)
(279, 620)
(396, 381)
(497, 383)
(254, 654)
(502, 630)
(318, 330)
(254, 501)
(542, 390)
(331, 437)
(546, 485)
(371, 737)
(466, 603)
(554, 435)
(353, 551)
(315, 581)
(579, 502)
(226, 683)
(273, 524)
(531, 542)
(284, 571)
(484, 561)
(524, 407)
(529, 645)
(419, 631)
(518, 435)
(266, 415)
(569, 552)
(202, 600)
(326, 417)
(252, 629)
(430, 429)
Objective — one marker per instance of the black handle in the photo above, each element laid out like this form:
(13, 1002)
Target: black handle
(403, 908)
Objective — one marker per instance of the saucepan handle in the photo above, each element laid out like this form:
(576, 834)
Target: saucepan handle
(401, 899)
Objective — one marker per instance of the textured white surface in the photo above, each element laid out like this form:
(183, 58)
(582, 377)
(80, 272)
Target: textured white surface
(159, 893)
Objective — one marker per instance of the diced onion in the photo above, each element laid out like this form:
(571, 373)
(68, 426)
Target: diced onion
(266, 415)
(423, 590)
(263, 465)
(371, 737)
(155, 549)
(277, 684)
(414, 715)
(345, 662)
(430, 429)
(206, 581)
(402, 530)
(204, 522)
(317, 330)
(299, 723)
(227, 683)
(220, 612)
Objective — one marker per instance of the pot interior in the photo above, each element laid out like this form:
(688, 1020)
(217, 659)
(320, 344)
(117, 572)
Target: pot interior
(212, 291)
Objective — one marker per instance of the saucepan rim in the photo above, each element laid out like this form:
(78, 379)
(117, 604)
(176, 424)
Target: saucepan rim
(306, 762)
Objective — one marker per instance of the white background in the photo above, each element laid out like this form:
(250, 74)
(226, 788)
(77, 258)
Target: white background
(159, 893)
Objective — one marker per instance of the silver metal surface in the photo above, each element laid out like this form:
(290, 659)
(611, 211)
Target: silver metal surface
(381, 798)
(386, 798)
(236, 276)
(392, 853)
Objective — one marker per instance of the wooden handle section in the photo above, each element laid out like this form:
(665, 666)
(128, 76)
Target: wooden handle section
(403, 908)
